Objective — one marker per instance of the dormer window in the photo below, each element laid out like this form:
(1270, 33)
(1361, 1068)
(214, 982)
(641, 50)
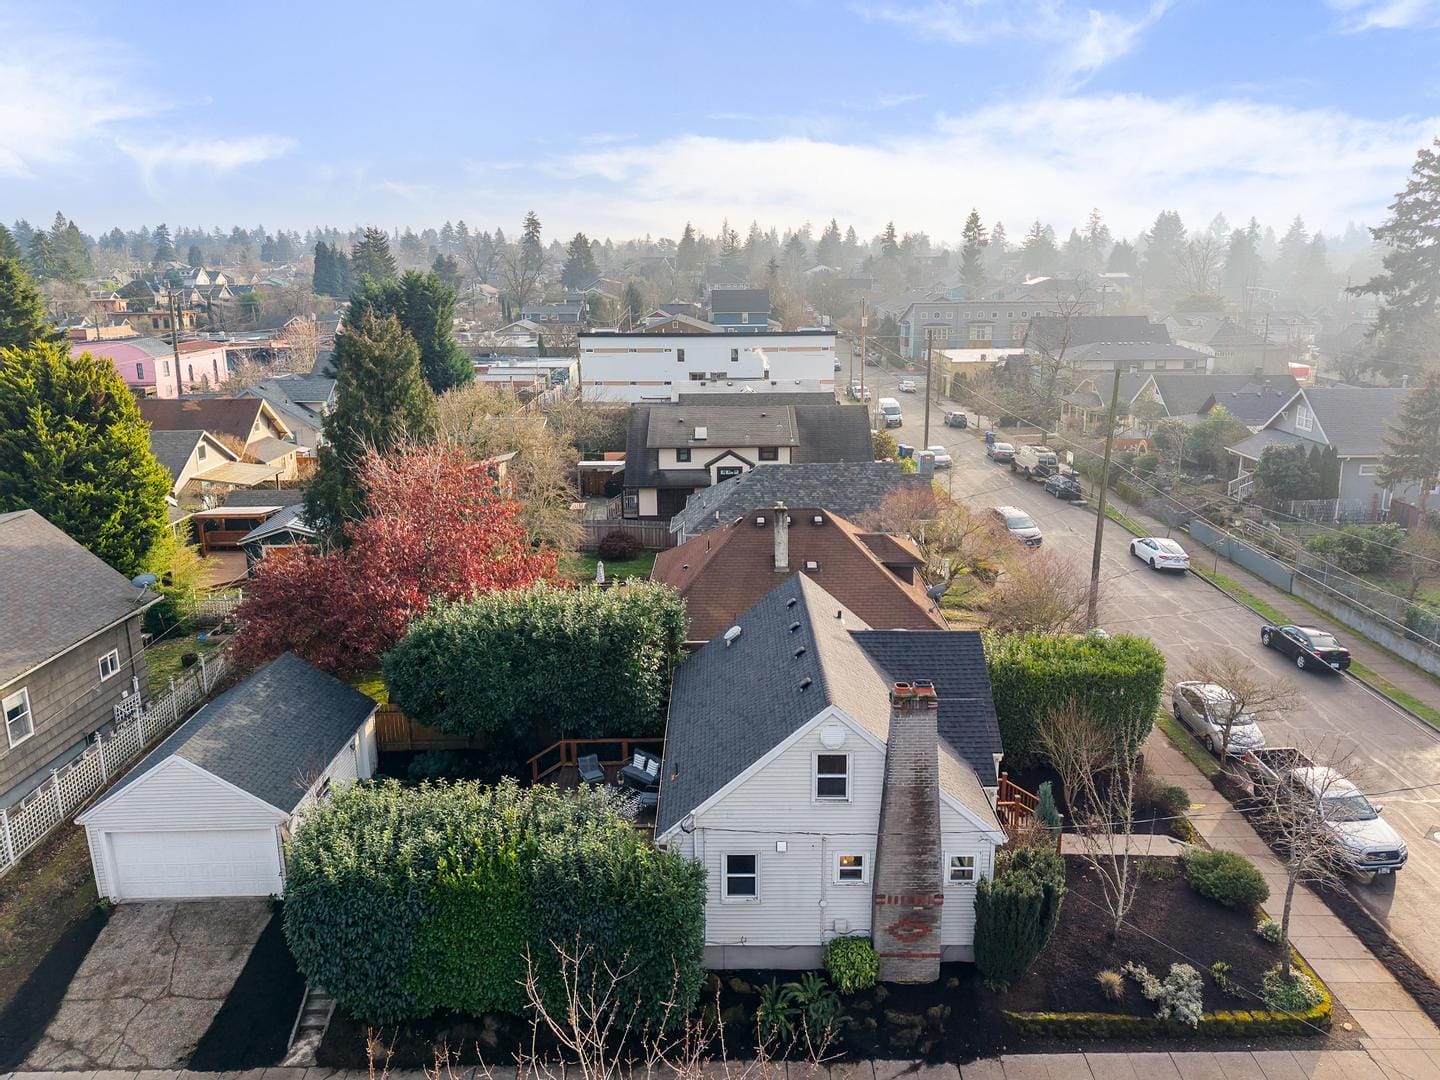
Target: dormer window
(832, 776)
(1304, 418)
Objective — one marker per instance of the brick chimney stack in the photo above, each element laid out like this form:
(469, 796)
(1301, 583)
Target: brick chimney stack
(782, 539)
(909, 891)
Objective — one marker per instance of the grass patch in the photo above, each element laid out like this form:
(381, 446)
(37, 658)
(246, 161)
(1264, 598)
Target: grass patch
(1183, 741)
(162, 658)
(1245, 596)
(372, 685)
(1129, 524)
(1428, 713)
(582, 567)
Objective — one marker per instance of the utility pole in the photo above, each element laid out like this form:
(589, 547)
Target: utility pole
(1093, 604)
(864, 320)
(174, 309)
(929, 350)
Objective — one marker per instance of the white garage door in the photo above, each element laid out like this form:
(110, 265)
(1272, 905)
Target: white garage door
(204, 863)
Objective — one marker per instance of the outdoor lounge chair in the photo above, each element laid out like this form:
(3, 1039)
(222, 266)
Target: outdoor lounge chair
(590, 770)
(643, 772)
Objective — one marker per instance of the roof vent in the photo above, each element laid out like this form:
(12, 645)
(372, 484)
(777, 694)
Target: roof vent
(731, 636)
(818, 520)
(791, 602)
(805, 683)
(799, 652)
(794, 626)
(701, 434)
(811, 564)
(685, 566)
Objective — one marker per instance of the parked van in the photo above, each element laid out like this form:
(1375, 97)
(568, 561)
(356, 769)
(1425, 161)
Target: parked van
(1034, 462)
(890, 410)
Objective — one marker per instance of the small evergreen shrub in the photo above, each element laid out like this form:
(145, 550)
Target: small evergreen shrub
(1015, 914)
(1293, 993)
(1112, 984)
(1179, 996)
(852, 963)
(617, 545)
(1046, 812)
(1225, 877)
(1269, 929)
(1170, 800)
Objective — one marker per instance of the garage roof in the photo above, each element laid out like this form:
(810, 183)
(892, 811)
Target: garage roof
(270, 735)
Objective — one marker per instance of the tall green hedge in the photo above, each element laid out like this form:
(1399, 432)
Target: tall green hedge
(1118, 678)
(1015, 914)
(543, 662)
(401, 901)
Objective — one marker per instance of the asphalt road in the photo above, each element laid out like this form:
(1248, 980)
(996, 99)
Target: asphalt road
(1185, 616)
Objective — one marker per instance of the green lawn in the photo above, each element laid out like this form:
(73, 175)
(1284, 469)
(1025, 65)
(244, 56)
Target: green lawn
(1244, 595)
(372, 685)
(582, 567)
(1130, 525)
(162, 659)
(1186, 744)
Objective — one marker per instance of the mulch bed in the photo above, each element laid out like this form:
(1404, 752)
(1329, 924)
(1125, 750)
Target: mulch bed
(252, 1028)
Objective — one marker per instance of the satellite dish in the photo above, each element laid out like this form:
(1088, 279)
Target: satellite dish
(143, 582)
(935, 592)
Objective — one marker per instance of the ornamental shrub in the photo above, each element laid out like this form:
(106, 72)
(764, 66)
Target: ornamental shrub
(1225, 877)
(531, 665)
(1118, 679)
(852, 963)
(1179, 996)
(1360, 549)
(1046, 812)
(1015, 914)
(401, 901)
(1269, 929)
(619, 545)
(1292, 993)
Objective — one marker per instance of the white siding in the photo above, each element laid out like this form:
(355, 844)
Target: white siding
(960, 836)
(645, 367)
(175, 795)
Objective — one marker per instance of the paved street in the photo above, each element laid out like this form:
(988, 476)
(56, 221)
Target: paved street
(1186, 616)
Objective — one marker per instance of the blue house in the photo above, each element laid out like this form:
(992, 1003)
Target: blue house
(741, 309)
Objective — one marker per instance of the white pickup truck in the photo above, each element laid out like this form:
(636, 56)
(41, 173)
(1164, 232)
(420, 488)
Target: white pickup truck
(1371, 844)
(1034, 462)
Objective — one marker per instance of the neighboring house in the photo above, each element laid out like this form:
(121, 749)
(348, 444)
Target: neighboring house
(1135, 356)
(791, 736)
(672, 450)
(741, 310)
(968, 324)
(71, 659)
(251, 422)
(1355, 420)
(638, 367)
(572, 314)
(1252, 403)
(146, 364)
(208, 813)
(302, 402)
(1187, 396)
(850, 489)
(1236, 350)
(284, 531)
(677, 324)
(727, 570)
(1055, 332)
(1086, 407)
(202, 366)
(190, 456)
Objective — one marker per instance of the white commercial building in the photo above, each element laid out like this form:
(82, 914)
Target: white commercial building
(641, 367)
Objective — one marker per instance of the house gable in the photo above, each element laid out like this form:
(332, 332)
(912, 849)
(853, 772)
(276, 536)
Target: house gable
(153, 799)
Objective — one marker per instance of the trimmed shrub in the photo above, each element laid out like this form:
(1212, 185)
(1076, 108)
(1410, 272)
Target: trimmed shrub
(1117, 678)
(1293, 993)
(1016, 912)
(851, 963)
(1225, 877)
(493, 665)
(1360, 549)
(401, 901)
(1046, 812)
(1170, 800)
(619, 545)
(1269, 929)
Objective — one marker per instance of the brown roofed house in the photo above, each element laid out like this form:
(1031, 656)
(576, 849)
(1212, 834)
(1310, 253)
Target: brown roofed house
(722, 573)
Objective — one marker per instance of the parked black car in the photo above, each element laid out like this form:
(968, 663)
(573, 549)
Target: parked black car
(1064, 487)
(1311, 648)
(956, 419)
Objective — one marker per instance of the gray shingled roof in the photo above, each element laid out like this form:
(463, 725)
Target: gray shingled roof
(1088, 329)
(269, 735)
(736, 300)
(1356, 419)
(725, 426)
(53, 592)
(1249, 401)
(173, 448)
(1131, 352)
(290, 519)
(1265, 438)
(760, 398)
(732, 704)
(850, 489)
(833, 433)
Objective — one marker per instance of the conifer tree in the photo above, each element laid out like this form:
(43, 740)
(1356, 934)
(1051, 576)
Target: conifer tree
(371, 255)
(972, 253)
(164, 246)
(1412, 450)
(425, 306)
(687, 259)
(1409, 284)
(9, 249)
(22, 311)
(580, 268)
(195, 257)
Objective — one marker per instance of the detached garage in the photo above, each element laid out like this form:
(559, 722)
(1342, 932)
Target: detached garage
(208, 812)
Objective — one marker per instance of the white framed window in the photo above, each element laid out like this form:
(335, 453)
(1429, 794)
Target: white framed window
(1304, 418)
(742, 877)
(109, 664)
(959, 869)
(832, 776)
(165, 365)
(19, 724)
(1368, 470)
(949, 316)
(851, 869)
(734, 356)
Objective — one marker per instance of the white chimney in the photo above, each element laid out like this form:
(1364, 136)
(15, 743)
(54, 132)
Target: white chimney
(782, 538)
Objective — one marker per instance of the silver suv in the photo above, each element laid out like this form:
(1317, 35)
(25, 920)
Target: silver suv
(1019, 525)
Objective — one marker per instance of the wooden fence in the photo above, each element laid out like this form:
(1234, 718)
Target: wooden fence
(104, 759)
(655, 537)
(396, 731)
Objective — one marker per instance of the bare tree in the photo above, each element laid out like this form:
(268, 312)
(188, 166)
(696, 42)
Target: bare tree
(1248, 696)
(1200, 263)
(521, 269)
(304, 338)
(1099, 771)
(1047, 372)
(1420, 556)
(1038, 591)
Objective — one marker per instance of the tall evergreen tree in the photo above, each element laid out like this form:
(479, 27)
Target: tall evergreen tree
(1412, 450)
(1097, 241)
(1122, 259)
(164, 246)
(425, 306)
(1243, 267)
(1039, 255)
(828, 248)
(195, 257)
(381, 401)
(580, 268)
(371, 255)
(447, 269)
(9, 249)
(1164, 248)
(22, 310)
(74, 449)
(635, 309)
(325, 280)
(972, 251)
(687, 256)
(44, 263)
(889, 243)
(1409, 283)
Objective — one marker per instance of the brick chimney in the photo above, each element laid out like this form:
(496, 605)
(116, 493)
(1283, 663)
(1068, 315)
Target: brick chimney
(782, 539)
(909, 891)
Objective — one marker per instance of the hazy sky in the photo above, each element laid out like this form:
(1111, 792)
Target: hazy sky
(630, 118)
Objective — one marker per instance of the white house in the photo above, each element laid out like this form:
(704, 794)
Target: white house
(209, 811)
(641, 367)
(834, 780)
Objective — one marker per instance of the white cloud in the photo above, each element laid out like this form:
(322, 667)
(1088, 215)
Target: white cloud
(213, 155)
(1387, 14)
(1053, 157)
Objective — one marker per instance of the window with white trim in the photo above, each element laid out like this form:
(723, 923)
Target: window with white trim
(19, 724)
(959, 869)
(1304, 418)
(1368, 470)
(832, 776)
(742, 877)
(109, 664)
(851, 869)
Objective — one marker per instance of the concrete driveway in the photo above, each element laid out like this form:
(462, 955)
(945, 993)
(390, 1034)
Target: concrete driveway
(152, 982)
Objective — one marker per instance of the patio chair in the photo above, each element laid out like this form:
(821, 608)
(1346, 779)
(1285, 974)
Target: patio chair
(590, 770)
(643, 772)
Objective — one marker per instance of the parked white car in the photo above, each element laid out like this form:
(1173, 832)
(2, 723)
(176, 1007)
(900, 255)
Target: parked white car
(943, 460)
(1160, 553)
(907, 386)
(1205, 708)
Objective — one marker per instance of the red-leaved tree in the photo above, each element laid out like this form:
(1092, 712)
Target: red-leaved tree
(437, 527)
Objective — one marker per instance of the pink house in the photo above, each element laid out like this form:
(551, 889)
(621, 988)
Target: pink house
(148, 365)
